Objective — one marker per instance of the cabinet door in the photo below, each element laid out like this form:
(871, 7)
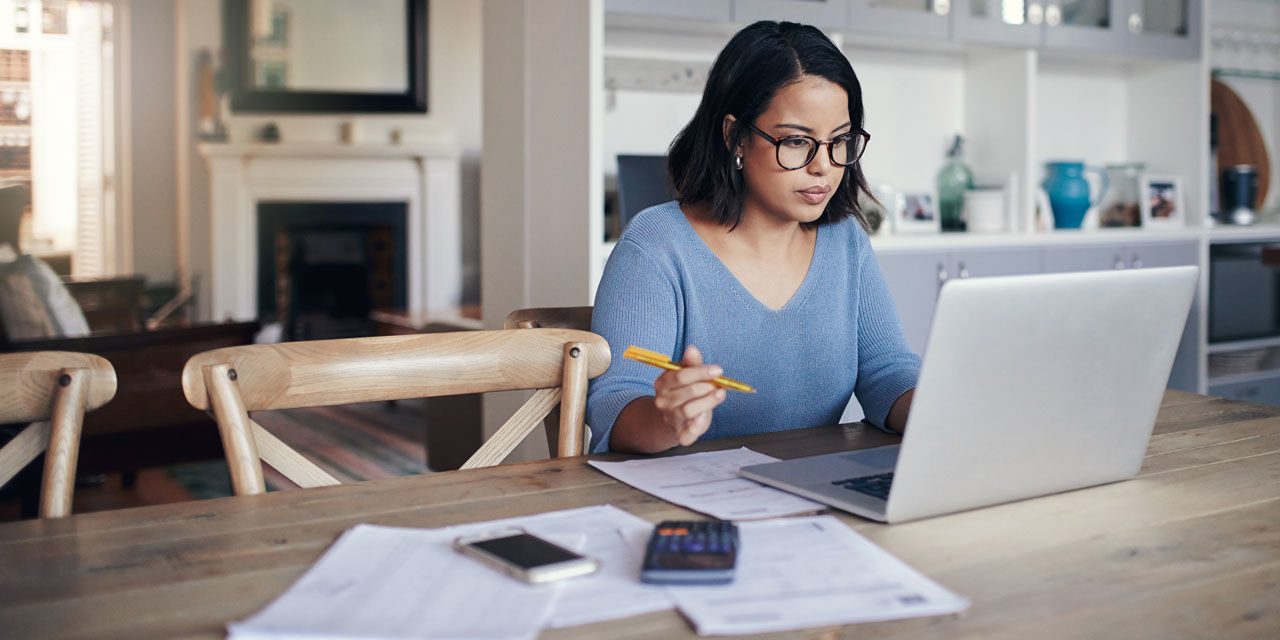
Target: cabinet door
(1186, 366)
(825, 14)
(708, 10)
(1164, 28)
(1095, 26)
(1164, 254)
(918, 18)
(1011, 22)
(913, 279)
(1070, 258)
(983, 263)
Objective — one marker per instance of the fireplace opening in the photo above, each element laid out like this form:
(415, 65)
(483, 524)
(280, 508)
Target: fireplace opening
(323, 266)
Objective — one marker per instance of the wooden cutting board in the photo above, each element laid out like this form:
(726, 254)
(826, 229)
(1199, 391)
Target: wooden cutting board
(1240, 140)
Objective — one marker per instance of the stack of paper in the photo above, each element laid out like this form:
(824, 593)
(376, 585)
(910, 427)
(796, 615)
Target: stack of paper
(386, 582)
(709, 483)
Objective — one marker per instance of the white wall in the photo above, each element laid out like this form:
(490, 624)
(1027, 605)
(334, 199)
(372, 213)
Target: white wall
(454, 110)
(914, 102)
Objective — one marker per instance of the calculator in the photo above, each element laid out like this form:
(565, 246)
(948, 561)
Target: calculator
(691, 552)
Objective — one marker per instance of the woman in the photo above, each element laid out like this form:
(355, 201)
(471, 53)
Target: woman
(761, 267)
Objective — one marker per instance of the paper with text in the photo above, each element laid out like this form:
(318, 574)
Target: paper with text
(709, 483)
(809, 572)
(389, 582)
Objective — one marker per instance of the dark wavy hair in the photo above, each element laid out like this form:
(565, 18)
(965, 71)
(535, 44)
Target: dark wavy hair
(758, 61)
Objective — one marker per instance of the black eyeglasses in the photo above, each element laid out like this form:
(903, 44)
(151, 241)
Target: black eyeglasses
(797, 151)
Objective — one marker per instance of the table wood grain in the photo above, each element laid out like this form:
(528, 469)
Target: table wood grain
(1190, 548)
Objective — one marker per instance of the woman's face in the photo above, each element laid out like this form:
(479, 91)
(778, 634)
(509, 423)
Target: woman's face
(812, 106)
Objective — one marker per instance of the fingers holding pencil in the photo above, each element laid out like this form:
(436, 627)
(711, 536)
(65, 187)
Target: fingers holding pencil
(685, 396)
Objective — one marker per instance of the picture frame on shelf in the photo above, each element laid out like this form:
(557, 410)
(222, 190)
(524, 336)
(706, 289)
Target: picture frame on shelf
(916, 212)
(1163, 204)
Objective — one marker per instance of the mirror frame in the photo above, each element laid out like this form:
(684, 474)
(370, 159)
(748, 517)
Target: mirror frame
(246, 98)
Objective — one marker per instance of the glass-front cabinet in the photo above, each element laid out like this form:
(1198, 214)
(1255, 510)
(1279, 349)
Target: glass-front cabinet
(1082, 25)
(1164, 28)
(1085, 25)
(920, 18)
(1011, 22)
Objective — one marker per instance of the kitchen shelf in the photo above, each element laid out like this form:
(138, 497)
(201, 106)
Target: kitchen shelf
(1246, 73)
(1252, 376)
(1243, 345)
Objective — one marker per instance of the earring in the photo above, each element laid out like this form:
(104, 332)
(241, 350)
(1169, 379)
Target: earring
(737, 161)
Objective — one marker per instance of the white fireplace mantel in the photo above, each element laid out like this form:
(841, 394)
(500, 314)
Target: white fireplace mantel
(425, 176)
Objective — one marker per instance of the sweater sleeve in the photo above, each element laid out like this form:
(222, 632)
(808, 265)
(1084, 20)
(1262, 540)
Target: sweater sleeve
(636, 304)
(886, 366)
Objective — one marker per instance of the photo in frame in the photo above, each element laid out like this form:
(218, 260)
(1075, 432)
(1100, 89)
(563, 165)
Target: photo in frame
(1162, 202)
(916, 212)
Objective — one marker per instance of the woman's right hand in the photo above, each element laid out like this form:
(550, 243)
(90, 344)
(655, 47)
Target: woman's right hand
(686, 398)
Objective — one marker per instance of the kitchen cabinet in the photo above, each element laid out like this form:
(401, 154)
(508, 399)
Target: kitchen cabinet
(1065, 259)
(824, 14)
(914, 279)
(1147, 28)
(1080, 25)
(702, 10)
(923, 19)
(1263, 391)
(1164, 28)
(999, 22)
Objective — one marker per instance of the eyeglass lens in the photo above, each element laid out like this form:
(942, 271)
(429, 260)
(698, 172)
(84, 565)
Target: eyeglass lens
(796, 152)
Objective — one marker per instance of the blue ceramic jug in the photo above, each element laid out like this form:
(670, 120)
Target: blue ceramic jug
(1068, 192)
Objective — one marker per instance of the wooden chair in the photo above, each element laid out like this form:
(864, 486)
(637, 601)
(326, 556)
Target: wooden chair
(56, 389)
(551, 318)
(233, 381)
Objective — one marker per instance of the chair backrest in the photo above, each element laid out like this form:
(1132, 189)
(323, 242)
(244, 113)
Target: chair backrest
(233, 381)
(551, 318)
(52, 390)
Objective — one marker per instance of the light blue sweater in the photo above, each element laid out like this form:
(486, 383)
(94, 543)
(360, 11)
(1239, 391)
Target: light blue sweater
(664, 289)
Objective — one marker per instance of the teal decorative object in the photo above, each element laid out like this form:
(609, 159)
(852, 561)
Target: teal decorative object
(1068, 192)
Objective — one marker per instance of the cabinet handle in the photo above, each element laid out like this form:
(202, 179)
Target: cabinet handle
(942, 274)
(1035, 13)
(1136, 263)
(1135, 23)
(942, 7)
(1053, 15)
(964, 271)
(1119, 263)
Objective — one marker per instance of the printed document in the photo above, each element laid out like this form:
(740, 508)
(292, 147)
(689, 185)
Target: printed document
(709, 483)
(390, 582)
(811, 572)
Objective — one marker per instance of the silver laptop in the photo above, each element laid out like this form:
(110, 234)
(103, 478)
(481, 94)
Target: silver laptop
(1031, 385)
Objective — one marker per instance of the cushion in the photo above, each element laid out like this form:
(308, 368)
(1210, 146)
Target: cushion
(35, 304)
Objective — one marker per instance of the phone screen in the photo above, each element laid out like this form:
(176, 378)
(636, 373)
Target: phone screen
(525, 551)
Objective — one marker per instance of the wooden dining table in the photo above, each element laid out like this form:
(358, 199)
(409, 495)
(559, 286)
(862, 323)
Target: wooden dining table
(1189, 548)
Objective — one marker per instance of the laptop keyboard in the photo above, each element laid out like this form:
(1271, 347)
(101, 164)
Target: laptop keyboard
(876, 486)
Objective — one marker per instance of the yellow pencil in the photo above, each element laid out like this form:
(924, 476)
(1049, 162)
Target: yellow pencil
(662, 362)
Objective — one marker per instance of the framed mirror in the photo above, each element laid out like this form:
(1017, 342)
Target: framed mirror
(335, 56)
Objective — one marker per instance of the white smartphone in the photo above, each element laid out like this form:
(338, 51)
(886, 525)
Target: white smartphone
(525, 556)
